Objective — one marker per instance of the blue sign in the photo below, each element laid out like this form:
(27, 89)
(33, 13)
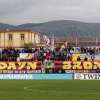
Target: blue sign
(36, 76)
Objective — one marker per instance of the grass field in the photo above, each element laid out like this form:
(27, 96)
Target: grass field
(49, 90)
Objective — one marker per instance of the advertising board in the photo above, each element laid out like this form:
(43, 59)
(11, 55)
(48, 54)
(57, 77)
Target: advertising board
(36, 76)
(87, 76)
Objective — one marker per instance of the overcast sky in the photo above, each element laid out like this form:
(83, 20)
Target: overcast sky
(37, 11)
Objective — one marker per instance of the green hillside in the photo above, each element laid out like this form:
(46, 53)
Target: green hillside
(60, 28)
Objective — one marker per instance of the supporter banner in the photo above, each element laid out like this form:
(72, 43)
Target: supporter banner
(35, 76)
(81, 71)
(81, 65)
(75, 56)
(87, 76)
(18, 65)
(66, 65)
(25, 56)
(60, 71)
(20, 71)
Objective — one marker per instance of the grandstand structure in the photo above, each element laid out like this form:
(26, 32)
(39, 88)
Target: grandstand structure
(79, 41)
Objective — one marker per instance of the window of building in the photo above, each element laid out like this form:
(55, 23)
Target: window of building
(10, 36)
(22, 37)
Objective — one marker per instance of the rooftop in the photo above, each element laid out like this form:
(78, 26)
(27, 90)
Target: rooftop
(17, 30)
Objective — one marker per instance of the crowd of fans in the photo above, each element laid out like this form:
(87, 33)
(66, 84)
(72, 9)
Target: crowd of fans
(40, 54)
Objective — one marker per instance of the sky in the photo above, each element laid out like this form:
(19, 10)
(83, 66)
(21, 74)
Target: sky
(37, 11)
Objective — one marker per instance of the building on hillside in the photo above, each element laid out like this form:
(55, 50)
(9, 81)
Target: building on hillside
(18, 38)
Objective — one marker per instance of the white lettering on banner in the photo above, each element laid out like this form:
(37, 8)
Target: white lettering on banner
(15, 76)
(87, 76)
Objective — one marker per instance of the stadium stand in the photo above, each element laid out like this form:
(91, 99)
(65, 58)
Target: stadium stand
(64, 54)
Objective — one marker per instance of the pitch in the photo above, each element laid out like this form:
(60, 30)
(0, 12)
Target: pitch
(49, 90)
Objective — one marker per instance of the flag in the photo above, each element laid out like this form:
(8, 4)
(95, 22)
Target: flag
(46, 39)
